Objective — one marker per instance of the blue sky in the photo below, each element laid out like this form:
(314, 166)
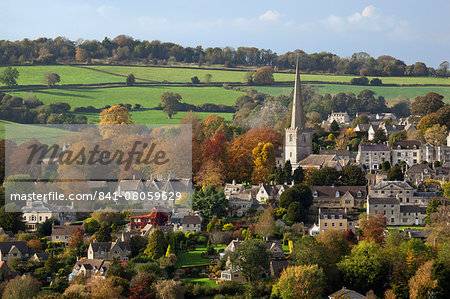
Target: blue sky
(410, 30)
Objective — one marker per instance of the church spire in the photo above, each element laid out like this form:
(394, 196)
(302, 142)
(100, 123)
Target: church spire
(297, 120)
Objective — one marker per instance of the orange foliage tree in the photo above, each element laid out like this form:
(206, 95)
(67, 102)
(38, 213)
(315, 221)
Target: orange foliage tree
(117, 114)
(264, 159)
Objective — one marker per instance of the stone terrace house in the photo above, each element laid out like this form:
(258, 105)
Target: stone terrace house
(406, 150)
(399, 190)
(109, 250)
(63, 233)
(338, 196)
(14, 249)
(321, 161)
(372, 155)
(336, 219)
(339, 117)
(387, 206)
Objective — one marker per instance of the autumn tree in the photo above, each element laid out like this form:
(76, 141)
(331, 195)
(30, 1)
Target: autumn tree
(301, 282)
(77, 239)
(208, 78)
(157, 245)
(169, 289)
(436, 135)
(142, 286)
(103, 288)
(170, 103)
(264, 159)
(427, 122)
(438, 228)
(117, 114)
(265, 227)
(422, 284)
(264, 75)
(373, 228)
(81, 54)
(21, 287)
(429, 103)
(210, 173)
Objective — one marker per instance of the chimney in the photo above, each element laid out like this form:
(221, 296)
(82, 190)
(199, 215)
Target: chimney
(234, 182)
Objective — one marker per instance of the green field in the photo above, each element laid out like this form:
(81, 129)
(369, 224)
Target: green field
(30, 75)
(76, 75)
(147, 96)
(158, 117)
(388, 92)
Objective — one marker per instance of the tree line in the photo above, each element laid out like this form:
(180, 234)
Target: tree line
(124, 48)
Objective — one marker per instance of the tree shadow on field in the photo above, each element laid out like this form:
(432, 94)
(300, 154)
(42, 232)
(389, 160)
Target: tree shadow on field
(62, 94)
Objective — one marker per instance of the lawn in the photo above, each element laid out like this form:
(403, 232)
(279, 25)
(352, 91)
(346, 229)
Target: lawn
(206, 280)
(390, 93)
(405, 227)
(147, 96)
(193, 257)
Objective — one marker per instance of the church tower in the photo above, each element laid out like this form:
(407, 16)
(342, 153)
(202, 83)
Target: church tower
(298, 139)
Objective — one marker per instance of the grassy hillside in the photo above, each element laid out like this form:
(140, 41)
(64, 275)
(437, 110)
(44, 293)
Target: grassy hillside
(148, 97)
(74, 75)
(390, 93)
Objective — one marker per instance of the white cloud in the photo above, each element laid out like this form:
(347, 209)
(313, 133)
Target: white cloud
(270, 15)
(370, 12)
(369, 20)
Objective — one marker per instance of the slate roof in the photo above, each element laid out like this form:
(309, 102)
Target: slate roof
(383, 184)
(106, 246)
(192, 219)
(5, 247)
(383, 201)
(346, 294)
(419, 168)
(406, 144)
(413, 209)
(65, 230)
(330, 191)
(374, 148)
(319, 160)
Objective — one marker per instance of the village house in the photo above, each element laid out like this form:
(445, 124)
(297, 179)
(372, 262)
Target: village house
(393, 189)
(40, 257)
(346, 294)
(14, 249)
(240, 203)
(189, 223)
(109, 250)
(418, 173)
(90, 268)
(386, 206)
(344, 156)
(36, 212)
(62, 233)
(339, 117)
(321, 161)
(8, 233)
(232, 189)
(338, 196)
(336, 219)
(267, 192)
(406, 150)
(371, 156)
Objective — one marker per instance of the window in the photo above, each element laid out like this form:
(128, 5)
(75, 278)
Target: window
(341, 216)
(333, 216)
(392, 220)
(325, 216)
(341, 224)
(399, 154)
(337, 194)
(316, 193)
(325, 224)
(332, 224)
(359, 194)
